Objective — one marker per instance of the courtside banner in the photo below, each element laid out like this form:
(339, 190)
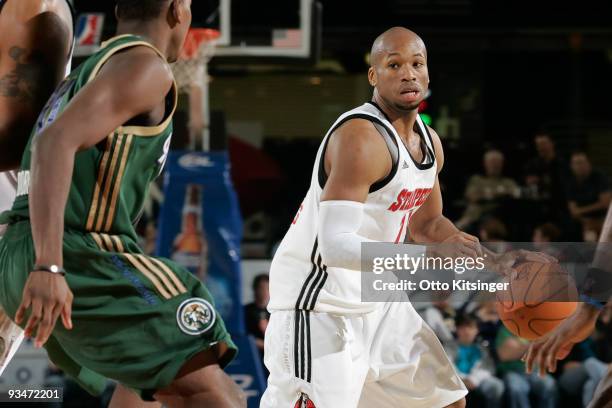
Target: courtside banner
(200, 227)
(511, 272)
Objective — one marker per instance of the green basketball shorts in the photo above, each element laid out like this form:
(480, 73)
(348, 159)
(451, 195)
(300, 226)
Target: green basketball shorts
(136, 319)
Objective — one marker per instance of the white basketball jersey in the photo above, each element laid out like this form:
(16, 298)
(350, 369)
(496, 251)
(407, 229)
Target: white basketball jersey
(299, 278)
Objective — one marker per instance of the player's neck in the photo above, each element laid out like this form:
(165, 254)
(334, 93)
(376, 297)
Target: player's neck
(150, 31)
(402, 121)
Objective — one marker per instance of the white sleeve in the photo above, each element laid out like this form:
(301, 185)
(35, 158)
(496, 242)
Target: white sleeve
(339, 241)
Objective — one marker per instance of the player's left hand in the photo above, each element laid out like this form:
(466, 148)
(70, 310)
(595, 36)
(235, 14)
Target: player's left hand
(49, 297)
(459, 244)
(557, 344)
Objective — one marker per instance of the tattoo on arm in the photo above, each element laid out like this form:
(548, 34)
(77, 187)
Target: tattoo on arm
(21, 82)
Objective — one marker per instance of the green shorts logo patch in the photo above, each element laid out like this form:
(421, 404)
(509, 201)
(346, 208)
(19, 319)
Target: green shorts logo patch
(195, 316)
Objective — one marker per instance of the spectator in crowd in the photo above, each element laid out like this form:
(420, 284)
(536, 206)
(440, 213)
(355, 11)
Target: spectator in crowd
(588, 196)
(485, 193)
(519, 385)
(546, 174)
(256, 314)
(603, 335)
(150, 238)
(494, 232)
(543, 236)
(488, 324)
(580, 372)
(474, 363)
(546, 233)
(440, 316)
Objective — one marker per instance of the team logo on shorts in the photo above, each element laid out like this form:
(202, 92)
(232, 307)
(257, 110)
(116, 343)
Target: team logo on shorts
(195, 316)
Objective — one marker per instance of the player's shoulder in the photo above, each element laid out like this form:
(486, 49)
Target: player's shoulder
(133, 77)
(358, 147)
(358, 132)
(142, 57)
(36, 24)
(23, 11)
(139, 66)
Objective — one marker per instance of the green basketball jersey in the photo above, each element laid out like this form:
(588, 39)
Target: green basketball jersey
(110, 181)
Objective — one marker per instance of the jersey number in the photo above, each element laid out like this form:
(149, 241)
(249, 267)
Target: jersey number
(162, 159)
(401, 235)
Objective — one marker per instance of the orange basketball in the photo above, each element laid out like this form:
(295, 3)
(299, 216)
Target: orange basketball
(538, 299)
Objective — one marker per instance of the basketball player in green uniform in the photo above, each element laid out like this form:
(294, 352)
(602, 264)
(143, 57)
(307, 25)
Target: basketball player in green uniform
(35, 52)
(70, 248)
(544, 352)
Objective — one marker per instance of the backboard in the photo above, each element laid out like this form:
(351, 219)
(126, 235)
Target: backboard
(264, 31)
(285, 29)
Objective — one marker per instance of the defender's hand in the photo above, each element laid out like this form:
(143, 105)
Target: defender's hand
(557, 344)
(49, 297)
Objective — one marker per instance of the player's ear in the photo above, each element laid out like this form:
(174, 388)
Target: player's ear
(178, 9)
(116, 12)
(372, 76)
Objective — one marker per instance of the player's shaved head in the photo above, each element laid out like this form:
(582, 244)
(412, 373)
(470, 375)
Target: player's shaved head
(169, 19)
(140, 9)
(391, 40)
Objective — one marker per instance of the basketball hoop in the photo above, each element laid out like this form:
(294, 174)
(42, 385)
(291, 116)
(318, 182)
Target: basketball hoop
(200, 42)
(191, 74)
(198, 49)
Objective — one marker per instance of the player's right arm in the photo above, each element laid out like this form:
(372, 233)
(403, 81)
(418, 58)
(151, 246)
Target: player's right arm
(131, 84)
(356, 157)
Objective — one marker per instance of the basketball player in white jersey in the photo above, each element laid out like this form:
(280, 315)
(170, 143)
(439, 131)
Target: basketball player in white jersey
(375, 177)
(36, 41)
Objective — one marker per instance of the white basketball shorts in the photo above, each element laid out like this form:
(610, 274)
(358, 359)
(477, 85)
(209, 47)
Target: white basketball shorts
(8, 188)
(11, 335)
(386, 358)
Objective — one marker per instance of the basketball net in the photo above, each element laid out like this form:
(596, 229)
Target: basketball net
(191, 74)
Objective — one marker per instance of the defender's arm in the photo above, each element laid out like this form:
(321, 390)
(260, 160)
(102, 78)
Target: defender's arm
(35, 47)
(356, 157)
